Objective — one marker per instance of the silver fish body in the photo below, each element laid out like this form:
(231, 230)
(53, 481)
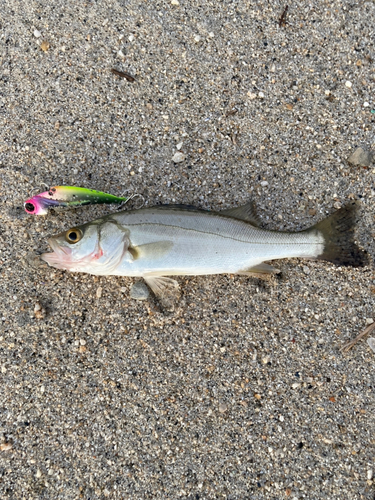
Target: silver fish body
(173, 240)
(183, 242)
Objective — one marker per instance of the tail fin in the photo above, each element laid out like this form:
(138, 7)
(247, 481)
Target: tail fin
(338, 232)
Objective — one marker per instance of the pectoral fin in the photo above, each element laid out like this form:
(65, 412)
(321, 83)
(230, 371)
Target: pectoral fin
(151, 251)
(260, 271)
(246, 212)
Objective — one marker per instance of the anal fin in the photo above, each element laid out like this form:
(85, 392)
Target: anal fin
(262, 271)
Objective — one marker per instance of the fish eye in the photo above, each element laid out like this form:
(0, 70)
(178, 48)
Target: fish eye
(73, 235)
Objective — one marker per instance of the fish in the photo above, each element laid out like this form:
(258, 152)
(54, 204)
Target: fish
(177, 240)
(68, 196)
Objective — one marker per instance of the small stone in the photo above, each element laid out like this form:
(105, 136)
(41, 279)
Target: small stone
(266, 360)
(273, 68)
(131, 38)
(252, 95)
(44, 45)
(211, 34)
(296, 385)
(178, 157)
(3, 369)
(222, 407)
(366, 104)
(348, 84)
(306, 270)
(82, 341)
(257, 396)
(139, 291)
(197, 38)
(39, 311)
(5, 446)
(264, 183)
(281, 418)
(370, 474)
(57, 125)
(38, 474)
(369, 321)
(37, 34)
(99, 292)
(361, 157)
(175, 2)
(371, 343)
(261, 95)
(179, 146)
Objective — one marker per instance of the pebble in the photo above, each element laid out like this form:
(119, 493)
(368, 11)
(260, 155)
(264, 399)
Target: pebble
(37, 34)
(5, 446)
(197, 38)
(99, 292)
(251, 95)
(39, 311)
(369, 321)
(44, 46)
(179, 146)
(366, 104)
(261, 95)
(306, 270)
(139, 291)
(131, 38)
(175, 2)
(178, 157)
(371, 343)
(348, 84)
(361, 157)
(222, 408)
(370, 474)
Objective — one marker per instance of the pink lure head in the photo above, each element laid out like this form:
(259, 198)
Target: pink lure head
(38, 205)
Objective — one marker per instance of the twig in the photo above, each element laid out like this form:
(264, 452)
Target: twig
(346, 347)
(122, 74)
(282, 20)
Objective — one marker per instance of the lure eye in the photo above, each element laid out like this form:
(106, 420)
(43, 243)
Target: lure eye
(73, 235)
(29, 207)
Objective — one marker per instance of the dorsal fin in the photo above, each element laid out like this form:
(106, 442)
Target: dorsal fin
(246, 212)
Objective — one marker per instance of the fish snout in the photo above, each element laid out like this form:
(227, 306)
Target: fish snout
(60, 257)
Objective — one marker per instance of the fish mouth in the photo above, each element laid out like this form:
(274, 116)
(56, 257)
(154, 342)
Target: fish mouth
(60, 257)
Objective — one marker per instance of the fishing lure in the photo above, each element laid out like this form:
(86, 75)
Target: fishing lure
(68, 196)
